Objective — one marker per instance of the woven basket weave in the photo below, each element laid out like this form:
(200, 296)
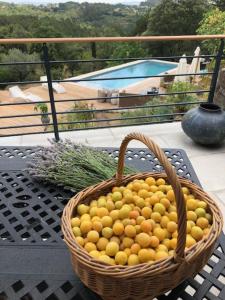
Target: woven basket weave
(143, 281)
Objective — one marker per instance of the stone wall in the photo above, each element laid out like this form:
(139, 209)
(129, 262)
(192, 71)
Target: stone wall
(219, 97)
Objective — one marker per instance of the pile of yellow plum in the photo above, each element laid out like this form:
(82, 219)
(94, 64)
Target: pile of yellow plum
(137, 223)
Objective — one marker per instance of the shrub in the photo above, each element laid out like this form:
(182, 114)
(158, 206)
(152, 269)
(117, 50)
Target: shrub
(178, 87)
(146, 111)
(20, 72)
(76, 117)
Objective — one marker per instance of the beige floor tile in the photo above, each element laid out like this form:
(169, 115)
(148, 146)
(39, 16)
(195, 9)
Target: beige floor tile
(221, 196)
(210, 170)
(36, 139)
(221, 203)
(180, 140)
(150, 130)
(10, 141)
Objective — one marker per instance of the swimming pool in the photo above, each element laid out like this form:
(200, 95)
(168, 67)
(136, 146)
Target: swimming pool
(134, 69)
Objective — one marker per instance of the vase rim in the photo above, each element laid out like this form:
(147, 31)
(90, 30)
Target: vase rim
(210, 107)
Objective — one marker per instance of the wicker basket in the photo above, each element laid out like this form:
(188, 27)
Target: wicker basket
(143, 281)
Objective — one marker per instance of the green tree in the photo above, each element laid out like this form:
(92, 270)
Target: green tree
(220, 4)
(19, 72)
(67, 20)
(142, 23)
(175, 17)
(212, 23)
(126, 50)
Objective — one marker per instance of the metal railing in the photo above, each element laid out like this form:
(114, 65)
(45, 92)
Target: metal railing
(94, 118)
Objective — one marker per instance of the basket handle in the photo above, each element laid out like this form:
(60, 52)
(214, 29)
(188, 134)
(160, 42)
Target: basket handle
(172, 178)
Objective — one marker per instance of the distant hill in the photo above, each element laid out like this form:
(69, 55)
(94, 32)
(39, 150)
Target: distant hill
(46, 2)
(84, 18)
(149, 3)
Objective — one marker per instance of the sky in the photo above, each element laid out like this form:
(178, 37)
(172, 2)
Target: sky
(57, 1)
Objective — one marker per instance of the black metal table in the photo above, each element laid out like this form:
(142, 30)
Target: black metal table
(34, 262)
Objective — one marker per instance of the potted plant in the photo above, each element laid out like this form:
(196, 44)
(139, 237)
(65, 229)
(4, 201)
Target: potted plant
(43, 108)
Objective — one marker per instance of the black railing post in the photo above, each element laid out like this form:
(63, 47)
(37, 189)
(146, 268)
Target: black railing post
(50, 91)
(216, 72)
(93, 50)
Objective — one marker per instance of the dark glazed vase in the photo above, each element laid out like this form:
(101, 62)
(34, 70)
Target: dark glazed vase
(205, 125)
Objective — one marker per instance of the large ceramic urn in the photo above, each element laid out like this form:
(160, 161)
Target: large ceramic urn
(205, 125)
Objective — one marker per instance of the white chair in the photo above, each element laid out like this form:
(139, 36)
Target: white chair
(109, 95)
(115, 100)
(44, 85)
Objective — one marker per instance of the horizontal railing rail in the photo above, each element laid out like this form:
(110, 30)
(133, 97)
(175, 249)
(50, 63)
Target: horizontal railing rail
(105, 79)
(57, 118)
(87, 128)
(103, 110)
(112, 39)
(107, 98)
(106, 60)
(97, 121)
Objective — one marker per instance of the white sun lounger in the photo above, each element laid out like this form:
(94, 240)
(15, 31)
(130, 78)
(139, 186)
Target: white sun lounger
(15, 92)
(58, 88)
(33, 97)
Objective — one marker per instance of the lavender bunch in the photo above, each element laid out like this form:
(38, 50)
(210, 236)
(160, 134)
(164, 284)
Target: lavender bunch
(72, 166)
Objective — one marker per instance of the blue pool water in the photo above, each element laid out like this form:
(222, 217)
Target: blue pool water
(146, 68)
